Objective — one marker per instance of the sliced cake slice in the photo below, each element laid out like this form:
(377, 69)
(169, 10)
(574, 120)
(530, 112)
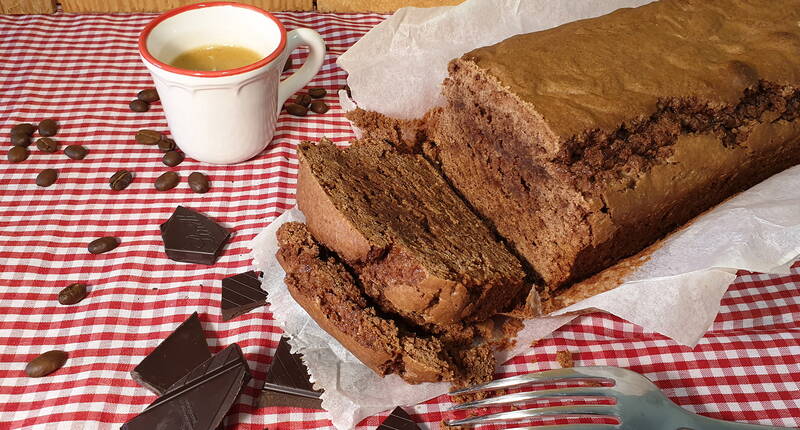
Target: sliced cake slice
(324, 287)
(418, 249)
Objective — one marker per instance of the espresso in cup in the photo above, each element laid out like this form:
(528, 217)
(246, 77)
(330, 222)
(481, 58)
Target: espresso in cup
(217, 67)
(216, 57)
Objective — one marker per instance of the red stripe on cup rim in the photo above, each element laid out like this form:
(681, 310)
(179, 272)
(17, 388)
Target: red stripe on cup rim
(208, 74)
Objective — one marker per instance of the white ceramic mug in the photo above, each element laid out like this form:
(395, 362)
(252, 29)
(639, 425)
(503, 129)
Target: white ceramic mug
(227, 116)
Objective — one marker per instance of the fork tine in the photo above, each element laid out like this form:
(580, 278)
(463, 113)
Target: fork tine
(558, 393)
(557, 375)
(571, 427)
(576, 411)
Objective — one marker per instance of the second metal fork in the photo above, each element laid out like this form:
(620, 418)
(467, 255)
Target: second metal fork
(638, 403)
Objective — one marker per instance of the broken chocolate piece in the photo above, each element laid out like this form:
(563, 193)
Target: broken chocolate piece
(174, 357)
(398, 420)
(201, 399)
(191, 237)
(287, 382)
(240, 294)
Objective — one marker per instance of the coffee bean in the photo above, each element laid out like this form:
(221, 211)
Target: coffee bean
(319, 106)
(20, 140)
(48, 127)
(47, 144)
(104, 244)
(296, 109)
(148, 137)
(198, 182)
(25, 129)
(139, 106)
(72, 294)
(317, 93)
(288, 65)
(172, 158)
(120, 180)
(167, 181)
(46, 177)
(166, 144)
(303, 99)
(46, 363)
(76, 152)
(149, 95)
(18, 154)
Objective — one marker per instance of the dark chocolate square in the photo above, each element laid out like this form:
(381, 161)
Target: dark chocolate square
(201, 399)
(191, 237)
(183, 350)
(287, 382)
(398, 420)
(240, 294)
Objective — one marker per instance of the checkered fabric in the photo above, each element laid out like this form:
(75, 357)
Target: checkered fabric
(83, 70)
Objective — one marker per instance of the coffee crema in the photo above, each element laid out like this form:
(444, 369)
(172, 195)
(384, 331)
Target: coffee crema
(212, 58)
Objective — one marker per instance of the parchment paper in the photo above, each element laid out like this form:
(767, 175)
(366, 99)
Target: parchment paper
(396, 69)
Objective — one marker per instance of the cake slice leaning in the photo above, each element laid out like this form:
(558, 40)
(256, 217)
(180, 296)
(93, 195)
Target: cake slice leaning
(417, 248)
(323, 286)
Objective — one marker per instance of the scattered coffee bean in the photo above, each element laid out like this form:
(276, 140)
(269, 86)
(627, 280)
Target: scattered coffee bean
(120, 180)
(18, 154)
(167, 181)
(303, 99)
(166, 144)
(288, 65)
(48, 127)
(72, 294)
(347, 88)
(104, 244)
(47, 144)
(139, 106)
(20, 140)
(172, 158)
(46, 363)
(148, 137)
(319, 106)
(317, 93)
(76, 152)
(46, 177)
(296, 109)
(25, 129)
(198, 182)
(149, 95)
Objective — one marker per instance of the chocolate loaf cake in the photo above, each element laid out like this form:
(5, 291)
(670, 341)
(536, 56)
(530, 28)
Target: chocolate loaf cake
(323, 286)
(416, 247)
(583, 144)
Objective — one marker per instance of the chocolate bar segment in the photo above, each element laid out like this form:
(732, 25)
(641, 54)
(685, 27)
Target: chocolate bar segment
(398, 420)
(191, 237)
(183, 350)
(287, 382)
(240, 294)
(201, 399)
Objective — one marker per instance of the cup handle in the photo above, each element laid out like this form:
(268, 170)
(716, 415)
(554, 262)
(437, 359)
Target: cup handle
(299, 79)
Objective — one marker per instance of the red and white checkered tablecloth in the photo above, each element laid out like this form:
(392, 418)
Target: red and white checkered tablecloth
(83, 70)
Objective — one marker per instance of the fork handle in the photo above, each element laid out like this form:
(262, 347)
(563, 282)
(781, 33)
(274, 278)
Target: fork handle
(706, 423)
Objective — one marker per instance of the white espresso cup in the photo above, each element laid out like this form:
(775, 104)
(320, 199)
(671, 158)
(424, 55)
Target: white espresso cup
(225, 116)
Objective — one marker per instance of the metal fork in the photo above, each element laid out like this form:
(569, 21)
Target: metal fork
(639, 404)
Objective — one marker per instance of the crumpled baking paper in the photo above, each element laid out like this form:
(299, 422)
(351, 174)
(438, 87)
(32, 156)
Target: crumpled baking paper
(675, 292)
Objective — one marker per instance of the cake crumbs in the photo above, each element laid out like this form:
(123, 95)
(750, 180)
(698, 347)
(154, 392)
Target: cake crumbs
(565, 359)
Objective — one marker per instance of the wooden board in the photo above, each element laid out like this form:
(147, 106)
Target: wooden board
(382, 6)
(18, 7)
(84, 6)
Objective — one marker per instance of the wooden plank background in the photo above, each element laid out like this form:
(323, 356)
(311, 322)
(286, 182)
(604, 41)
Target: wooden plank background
(382, 6)
(19, 7)
(81, 6)
(87, 6)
